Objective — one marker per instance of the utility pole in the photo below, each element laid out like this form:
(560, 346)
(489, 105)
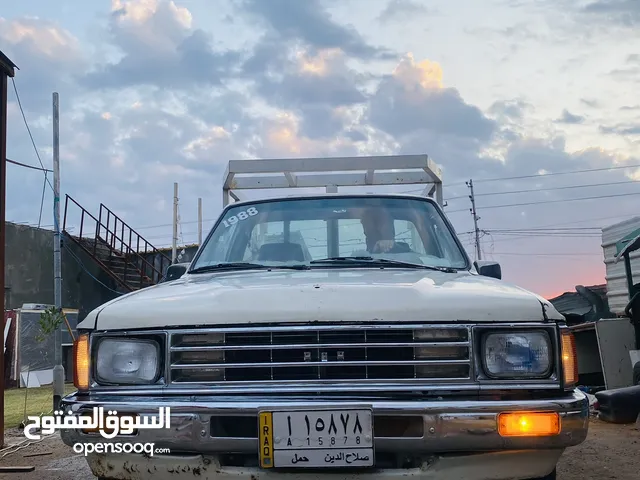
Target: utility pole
(58, 369)
(6, 70)
(475, 218)
(174, 255)
(199, 221)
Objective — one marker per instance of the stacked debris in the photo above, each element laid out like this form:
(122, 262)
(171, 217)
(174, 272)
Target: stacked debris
(621, 405)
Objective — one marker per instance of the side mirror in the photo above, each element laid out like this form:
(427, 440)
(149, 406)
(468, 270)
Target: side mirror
(175, 271)
(489, 269)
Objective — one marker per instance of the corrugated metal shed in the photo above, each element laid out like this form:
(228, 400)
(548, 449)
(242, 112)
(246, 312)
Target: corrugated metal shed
(616, 278)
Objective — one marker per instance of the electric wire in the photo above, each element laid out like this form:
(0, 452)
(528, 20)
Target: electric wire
(20, 164)
(551, 174)
(35, 148)
(564, 187)
(86, 270)
(541, 202)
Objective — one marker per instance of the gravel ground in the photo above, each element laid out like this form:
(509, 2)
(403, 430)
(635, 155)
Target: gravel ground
(610, 452)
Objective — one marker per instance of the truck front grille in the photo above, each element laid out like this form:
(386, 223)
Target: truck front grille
(321, 354)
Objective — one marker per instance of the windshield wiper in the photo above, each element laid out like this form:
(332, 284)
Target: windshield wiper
(245, 266)
(385, 261)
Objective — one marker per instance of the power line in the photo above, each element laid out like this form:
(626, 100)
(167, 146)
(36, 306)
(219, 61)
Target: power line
(555, 238)
(547, 235)
(28, 166)
(466, 209)
(555, 254)
(540, 202)
(46, 178)
(82, 266)
(44, 189)
(510, 238)
(544, 232)
(556, 232)
(551, 174)
(608, 217)
(534, 229)
(565, 187)
(24, 118)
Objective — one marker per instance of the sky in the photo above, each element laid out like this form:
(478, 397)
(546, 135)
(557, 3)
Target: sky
(154, 92)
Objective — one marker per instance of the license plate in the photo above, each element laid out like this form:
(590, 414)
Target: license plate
(316, 438)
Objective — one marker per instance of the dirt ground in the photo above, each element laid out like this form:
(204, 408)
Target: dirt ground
(610, 452)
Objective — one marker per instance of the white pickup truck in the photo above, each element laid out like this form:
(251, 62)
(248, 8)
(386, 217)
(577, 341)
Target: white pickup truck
(331, 336)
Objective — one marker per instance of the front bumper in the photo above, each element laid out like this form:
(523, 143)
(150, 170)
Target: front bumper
(457, 438)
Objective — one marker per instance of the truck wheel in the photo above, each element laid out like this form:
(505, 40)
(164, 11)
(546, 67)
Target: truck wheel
(551, 476)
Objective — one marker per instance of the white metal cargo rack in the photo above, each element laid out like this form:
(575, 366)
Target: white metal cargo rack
(331, 173)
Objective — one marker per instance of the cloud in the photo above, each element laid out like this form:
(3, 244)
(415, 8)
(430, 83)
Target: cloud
(570, 118)
(625, 74)
(315, 87)
(159, 47)
(356, 135)
(310, 22)
(634, 59)
(413, 98)
(589, 102)
(402, 9)
(166, 104)
(41, 41)
(269, 56)
(322, 79)
(47, 55)
(621, 129)
(519, 33)
(510, 109)
(282, 137)
(623, 12)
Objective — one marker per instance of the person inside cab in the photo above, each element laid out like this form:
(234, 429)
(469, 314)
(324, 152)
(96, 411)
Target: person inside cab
(379, 231)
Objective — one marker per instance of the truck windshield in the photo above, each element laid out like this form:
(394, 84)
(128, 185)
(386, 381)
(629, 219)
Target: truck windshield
(306, 231)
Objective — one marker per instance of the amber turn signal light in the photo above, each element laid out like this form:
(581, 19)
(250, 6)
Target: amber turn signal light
(569, 359)
(528, 424)
(81, 362)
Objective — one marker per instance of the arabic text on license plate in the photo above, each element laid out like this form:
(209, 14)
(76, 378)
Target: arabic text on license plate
(316, 439)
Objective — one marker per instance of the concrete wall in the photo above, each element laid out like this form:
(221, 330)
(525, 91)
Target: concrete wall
(29, 272)
(189, 253)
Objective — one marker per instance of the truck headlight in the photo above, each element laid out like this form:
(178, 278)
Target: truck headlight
(127, 361)
(517, 354)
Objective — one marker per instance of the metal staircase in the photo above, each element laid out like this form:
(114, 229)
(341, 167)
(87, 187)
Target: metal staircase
(121, 252)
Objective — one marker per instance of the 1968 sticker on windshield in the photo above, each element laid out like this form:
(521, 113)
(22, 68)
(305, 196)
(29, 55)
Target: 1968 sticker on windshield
(316, 439)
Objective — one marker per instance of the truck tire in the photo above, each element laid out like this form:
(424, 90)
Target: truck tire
(636, 374)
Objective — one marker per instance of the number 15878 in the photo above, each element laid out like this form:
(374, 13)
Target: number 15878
(331, 441)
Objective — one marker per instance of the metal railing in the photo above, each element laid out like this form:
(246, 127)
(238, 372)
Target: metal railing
(133, 245)
(120, 243)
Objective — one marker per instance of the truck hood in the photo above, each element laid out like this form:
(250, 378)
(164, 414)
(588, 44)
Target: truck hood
(328, 295)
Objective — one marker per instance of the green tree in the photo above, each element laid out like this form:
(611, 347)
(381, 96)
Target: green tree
(50, 320)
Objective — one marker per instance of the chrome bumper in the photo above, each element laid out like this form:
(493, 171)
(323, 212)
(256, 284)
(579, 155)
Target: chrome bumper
(451, 430)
